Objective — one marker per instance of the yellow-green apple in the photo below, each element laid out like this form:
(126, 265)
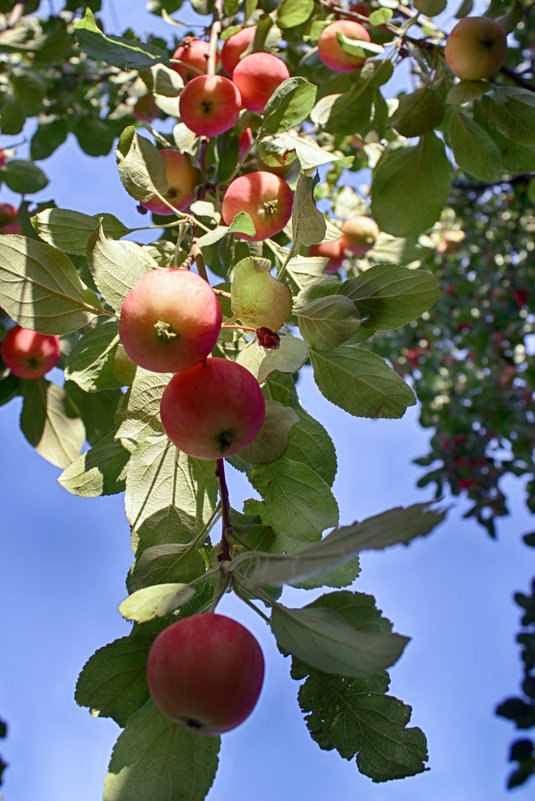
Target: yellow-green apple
(205, 672)
(170, 320)
(360, 234)
(476, 48)
(145, 109)
(193, 53)
(182, 179)
(257, 76)
(213, 409)
(330, 50)
(29, 354)
(267, 199)
(209, 105)
(334, 251)
(234, 46)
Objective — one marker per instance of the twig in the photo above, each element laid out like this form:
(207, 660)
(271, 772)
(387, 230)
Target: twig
(224, 553)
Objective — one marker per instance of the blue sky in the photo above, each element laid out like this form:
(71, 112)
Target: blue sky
(65, 561)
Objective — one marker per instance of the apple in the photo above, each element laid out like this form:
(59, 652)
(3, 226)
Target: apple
(360, 234)
(257, 76)
(234, 46)
(145, 109)
(476, 48)
(209, 105)
(29, 354)
(205, 672)
(182, 179)
(12, 228)
(329, 48)
(2, 157)
(334, 251)
(246, 140)
(8, 213)
(266, 197)
(169, 320)
(194, 54)
(213, 409)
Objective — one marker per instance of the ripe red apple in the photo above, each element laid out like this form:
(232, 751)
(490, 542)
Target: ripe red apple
(212, 410)
(257, 76)
(145, 109)
(12, 228)
(29, 354)
(266, 197)
(170, 320)
(234, 46)
(194, 54)
(360, 234)
(334, 251)
(476, 48)
(205, 672)
(2, 157)
(8, 213)
(330, 50)
(182, 179)
(209, 105)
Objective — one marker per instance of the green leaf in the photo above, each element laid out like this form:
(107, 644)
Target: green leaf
(466, 91)
(418, 112)
(410, 187)
(12, 117)
(50, 422)
(98, 471)
(358, 47)
(289, 357)
(116, 266)
(157, 601)
(141, 166)
(154, 758)
(328, 321)
(356, 717)
(388, 296)
(114, 50)
(308, 223)
(474, 150)
(160, 476)
(294, 12)
(382, 15)
(49, 135)
(321, 638)
(94, 136)
(164, 564)
(360, 382)
(242, 224)
(512, 112)
(90, 362)
(272, 440)
(257, 298)
(112, 682)
(141, 417)
(40, 288)
(97, 410)
(290, 104)
(70, 230)
(347, 113)
(430, 7)
(298, 503)
(310, 444)
(30, 88)
(23, 177)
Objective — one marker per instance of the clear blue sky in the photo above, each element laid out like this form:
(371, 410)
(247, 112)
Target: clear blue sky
(64, 565)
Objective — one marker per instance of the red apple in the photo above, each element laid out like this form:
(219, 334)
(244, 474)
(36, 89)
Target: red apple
(257, 76)
(170, 320)
(145, 109)
(205, 672)
(360, 234)
(12, 228)
(182, 179)
(2, 157)
(330, 50)
(29, 354)
(209, 105)
(266, 197)
(334, 251)
(234, 46)
(8, 213)
(194, 55)
(476, 48)
(212, 410)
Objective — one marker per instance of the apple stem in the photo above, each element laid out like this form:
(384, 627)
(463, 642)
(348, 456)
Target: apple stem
(224, 553)
(215, 30)
(240, 327)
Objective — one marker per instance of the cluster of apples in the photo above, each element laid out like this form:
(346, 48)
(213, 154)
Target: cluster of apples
(169, 323)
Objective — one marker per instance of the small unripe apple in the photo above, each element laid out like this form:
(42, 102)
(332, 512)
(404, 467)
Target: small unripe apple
(234, 46)
(257, 76)
(360, 234)
(209, 105)
(182, 179)
(266, 197)
(29, 354)
(329, 48)
(145, 109)
(8, 213)
(334, 251)
(205, 672)
(212, 410)
(476, 48)
(170, 320)
(194, 55)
